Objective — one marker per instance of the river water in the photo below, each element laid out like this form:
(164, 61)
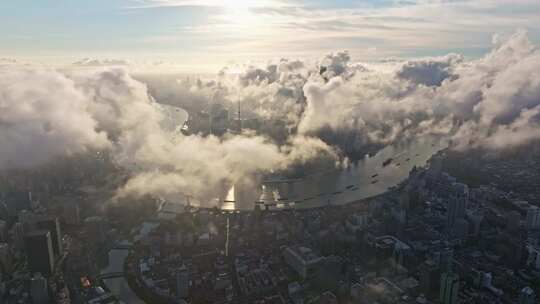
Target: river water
(119, 286)
(173, 117)
(367, 178)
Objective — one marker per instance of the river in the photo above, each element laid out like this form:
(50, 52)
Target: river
(366, 178)
(119, 286)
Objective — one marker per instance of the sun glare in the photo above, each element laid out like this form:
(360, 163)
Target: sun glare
(249, 3)
(238, 13)
(239, 4)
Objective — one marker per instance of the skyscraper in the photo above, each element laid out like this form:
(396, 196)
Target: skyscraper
(39, 290)
(533, 217)
(40, 252)
(429, 278)
(456, 210)
(3, 231)
(449, 288)
(18, 235)
(53, 226)
(5, 256)
(182, 283)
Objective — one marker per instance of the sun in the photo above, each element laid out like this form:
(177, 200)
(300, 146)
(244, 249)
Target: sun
(238, 12)
(239, 17)
(238, 4)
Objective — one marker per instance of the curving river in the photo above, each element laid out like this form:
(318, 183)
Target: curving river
(366, 178)
(119, 286)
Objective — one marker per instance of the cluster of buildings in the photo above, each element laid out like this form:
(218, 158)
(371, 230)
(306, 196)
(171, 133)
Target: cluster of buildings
(48, 254)
(31, 253)
(513, 172)
(219, 120)
(431, 240)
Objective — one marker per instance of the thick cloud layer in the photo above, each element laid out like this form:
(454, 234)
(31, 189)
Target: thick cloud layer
(42, 115)
(483, 102)
(200, 166)
(46, 113)
(492, 102)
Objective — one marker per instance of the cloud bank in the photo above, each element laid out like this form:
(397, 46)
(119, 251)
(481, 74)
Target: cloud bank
(43, 114)
(330, 108)
(491, 102)
(46, 114)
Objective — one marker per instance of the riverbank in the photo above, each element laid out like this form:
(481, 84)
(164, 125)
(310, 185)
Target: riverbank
(135, 282)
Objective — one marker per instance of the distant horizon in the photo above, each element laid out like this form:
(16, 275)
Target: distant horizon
(170, 69)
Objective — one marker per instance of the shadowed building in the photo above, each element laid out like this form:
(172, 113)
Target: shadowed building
(39, 251)
(449, 288)
(53, 226)
(303, 260)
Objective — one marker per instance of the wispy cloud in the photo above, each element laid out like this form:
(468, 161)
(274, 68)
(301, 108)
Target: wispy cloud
(212, 3)
(397, 27)
(194, 30)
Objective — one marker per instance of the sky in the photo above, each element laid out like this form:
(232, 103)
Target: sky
(205, 35)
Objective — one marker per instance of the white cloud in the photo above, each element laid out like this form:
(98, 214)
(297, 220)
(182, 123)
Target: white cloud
(211, 3)
(355, 104)
(491, 102)
(46, 114)
(43, 115)
(479, 103)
